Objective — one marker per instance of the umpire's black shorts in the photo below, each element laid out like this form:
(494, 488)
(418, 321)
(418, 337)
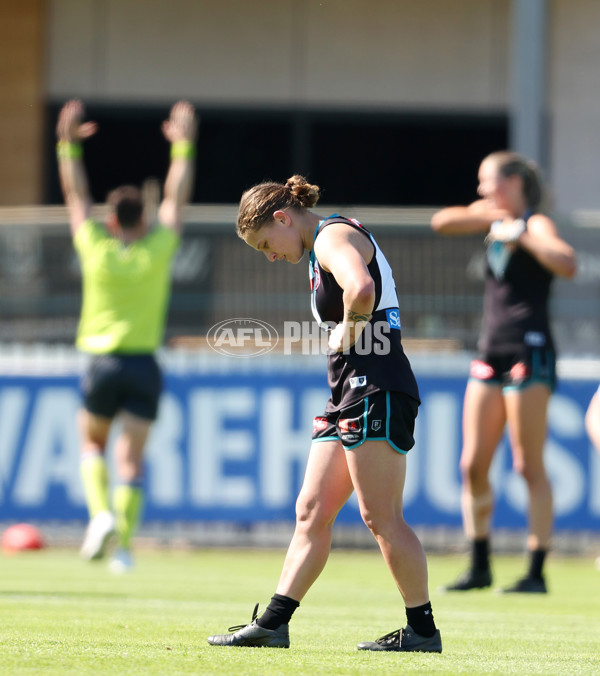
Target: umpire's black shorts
(122, 382)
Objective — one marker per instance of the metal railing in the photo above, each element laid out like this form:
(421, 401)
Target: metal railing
(215, 277)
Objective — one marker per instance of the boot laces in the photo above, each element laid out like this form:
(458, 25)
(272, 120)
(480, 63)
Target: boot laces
(393, 638)
(237, 627)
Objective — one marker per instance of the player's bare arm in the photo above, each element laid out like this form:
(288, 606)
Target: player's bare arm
(71, 131)
(466, 220)
(541, 239)
(344, 252)
(180, 130)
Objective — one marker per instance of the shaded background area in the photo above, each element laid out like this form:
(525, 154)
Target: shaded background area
(216, 277)
(357, 157)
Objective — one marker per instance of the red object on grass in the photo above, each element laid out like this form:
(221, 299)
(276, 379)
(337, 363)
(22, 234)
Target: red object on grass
(22, 536)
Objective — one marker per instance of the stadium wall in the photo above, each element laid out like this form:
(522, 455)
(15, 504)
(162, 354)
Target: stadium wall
(431, 55)
(428, 56)
(22, 43)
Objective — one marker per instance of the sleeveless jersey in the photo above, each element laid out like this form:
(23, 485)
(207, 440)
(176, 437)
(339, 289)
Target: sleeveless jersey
(377, 361)
(515, 312)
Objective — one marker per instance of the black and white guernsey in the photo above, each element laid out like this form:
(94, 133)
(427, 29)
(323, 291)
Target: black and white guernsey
(377, 361)
(517, 291)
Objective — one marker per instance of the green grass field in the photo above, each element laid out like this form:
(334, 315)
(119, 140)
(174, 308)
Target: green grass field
(62, 616)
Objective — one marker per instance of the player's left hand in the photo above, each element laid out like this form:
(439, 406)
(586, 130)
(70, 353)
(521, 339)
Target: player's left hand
(345, 334)
(507, 231)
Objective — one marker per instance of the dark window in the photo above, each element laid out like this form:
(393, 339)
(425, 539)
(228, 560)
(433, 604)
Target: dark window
(403, 160)
(396, 159)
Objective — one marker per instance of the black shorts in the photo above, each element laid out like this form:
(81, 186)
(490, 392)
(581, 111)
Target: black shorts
(118, 382)
(383, 416)
(516, 371)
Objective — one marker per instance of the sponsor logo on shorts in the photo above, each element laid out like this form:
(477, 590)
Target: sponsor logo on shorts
(481, 370)
(358, 381)
(319, 424)
(351, 438)
(349, 425)
(519, 371)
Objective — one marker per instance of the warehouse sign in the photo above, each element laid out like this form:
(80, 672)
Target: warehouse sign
(232, 445)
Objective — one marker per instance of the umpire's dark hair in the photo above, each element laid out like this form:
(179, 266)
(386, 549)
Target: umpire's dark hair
(126, 202)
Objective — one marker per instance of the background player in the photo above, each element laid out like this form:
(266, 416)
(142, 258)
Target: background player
(514, 374)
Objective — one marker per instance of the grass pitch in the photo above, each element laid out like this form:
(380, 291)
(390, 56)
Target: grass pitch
(59, 615)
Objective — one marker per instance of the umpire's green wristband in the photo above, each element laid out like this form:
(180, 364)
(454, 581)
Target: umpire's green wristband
(183, 150)
(65, 150)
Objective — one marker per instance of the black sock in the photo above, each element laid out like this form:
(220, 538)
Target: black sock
(421, 620)
(536, 563)
(278, 612)
(480, 554)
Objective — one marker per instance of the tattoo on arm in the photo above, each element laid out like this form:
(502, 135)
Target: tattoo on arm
(357, 316)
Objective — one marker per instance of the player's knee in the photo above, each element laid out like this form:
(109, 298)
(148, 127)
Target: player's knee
(129, 472)
(371, 522)
(472, 473)
(378, 522)
(93, 447)
(311, 514)
(532, 473)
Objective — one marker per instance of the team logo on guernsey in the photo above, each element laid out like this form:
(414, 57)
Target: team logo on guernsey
(393, 317)
(315, 280)
(481, 370)
(358, 381)
(519, 371)
(498, 255)
(319, 424)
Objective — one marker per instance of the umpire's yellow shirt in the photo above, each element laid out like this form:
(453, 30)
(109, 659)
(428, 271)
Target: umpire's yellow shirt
(125, 289)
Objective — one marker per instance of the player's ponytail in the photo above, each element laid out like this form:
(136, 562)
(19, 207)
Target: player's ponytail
(510, 164)
(258, 204)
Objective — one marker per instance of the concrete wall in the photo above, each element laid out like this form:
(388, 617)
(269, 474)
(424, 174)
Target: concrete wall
(21, 100)
(429, 55)
(574, 103)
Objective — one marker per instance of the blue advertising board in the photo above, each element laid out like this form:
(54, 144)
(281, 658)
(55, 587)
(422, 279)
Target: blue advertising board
(232, 444)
